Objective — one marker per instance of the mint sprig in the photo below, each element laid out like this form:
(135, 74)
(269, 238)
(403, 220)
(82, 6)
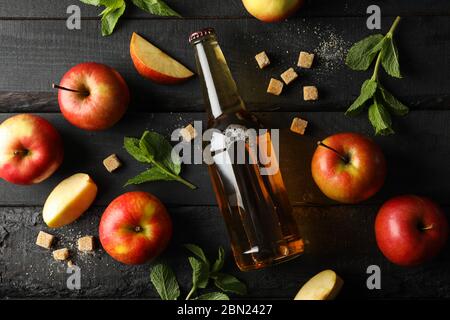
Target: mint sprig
(156, 151)
(111, 15)
(222, 281)
(114, 9)
(380, 101)
(166, 284)
(156, 7)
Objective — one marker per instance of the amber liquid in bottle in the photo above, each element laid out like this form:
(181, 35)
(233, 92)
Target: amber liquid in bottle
(255, 206)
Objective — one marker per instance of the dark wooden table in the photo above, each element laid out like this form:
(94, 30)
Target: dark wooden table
(36, 49)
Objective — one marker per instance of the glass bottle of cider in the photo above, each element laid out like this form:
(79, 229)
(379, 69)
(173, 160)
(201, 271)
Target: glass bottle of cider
(251, 195)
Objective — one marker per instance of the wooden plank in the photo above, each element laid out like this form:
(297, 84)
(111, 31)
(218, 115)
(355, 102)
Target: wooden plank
(57, 9)
(15, 101)
(28, 271)
(218, 8)
(418, 158)
(43, 102)
(36, 53)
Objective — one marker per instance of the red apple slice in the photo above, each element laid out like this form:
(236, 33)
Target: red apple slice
(154, 64)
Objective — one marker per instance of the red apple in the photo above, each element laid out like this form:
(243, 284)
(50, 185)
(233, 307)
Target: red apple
(272, 10)
(154, 64)
(135, 228)
(410, 230)
(348, 167)
(30, 149)
(93, 96)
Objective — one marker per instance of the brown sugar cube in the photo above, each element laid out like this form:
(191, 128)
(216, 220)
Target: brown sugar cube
(86, 244)
(299, 125)
(61, 254)
(44, 240)
(305, 60)
(310, 93)
(289, 75)
(262, 59)
(112, 163)
(275, 87)
(188, 133)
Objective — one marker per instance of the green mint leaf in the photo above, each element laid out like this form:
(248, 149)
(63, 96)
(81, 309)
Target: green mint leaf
(161, 150)
(380, 119)
(389, 58)
(110, 17)
(228, 283)
(218, 264)
(200, 273)
(156, 7)
(153, 148)
(133, 148)
(362, 53)
(392, 103)
(198, 252)
(213, 296)
(165, 282)
(112, 3)
(114, 9)
(146, 145)
(368, 89)
(152, 174)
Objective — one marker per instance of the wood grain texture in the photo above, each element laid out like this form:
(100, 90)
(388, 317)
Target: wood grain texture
(15, 102)
(36, 53)
(28, 101)
(417, 155)
(219, 8)
(27, 270)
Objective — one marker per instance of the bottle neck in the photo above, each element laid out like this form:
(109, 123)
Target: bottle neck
(219, 89)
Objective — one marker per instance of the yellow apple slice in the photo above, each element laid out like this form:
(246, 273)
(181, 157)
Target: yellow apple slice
(154, 64)
(69, 200)
(323, 286)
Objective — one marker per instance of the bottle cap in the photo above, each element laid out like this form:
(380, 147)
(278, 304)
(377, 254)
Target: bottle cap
(200, 34)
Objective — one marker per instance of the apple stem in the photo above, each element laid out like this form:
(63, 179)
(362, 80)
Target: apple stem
(427, 227)
(57, 86)
(22, 152)
(137, 229)
(344, 158)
